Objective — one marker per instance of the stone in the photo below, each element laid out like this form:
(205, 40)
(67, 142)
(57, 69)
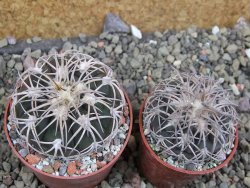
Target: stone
(157, 73)
(32, 159)
(247, 181)
(36, 54)
(82, 37)
(135, 64)
(130, 86)
(235, 89)
(71, 169)
(67, 46)
(2, 67)
(19, 66)
(226, 57)
(115, 39)
(34, 184)
(28, 62)
(170, 58)
(177, 63)
(223, 185)
(48, 169)
(27, 178)
(11, 40)
(244, 104)
(23, 152)
(163, 51)
(113, 23)
(247, 51)
(3, 43)
(19, 184)
(215, 30)
(6, 166)
(236, 65)
(62, 170)
(108, 49)
(232, 48)
(11, 63)
(118, 49)
(7, 180)
(211, 184)
(56, 165)
(172, 40)
(105, 184)
(158, 34)
(135, 32)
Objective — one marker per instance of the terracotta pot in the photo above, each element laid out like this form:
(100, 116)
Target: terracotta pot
(162, 174)
(83, 181)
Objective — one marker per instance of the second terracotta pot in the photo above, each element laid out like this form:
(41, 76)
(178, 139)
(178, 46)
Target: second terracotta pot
(162, 174)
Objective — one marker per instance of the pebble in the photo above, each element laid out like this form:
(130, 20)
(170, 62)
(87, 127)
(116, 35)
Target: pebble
(71, 169)
(7, 180)
(3, 43)
(62, 170)
(136, 32)
(247, 181)
(226, 57)
(48, 169)
(105, 184)
(172, 40)
(11, 63)
(215, 30)
(223, 185)
(232, 48)
(118, 49)
(170, 58)
(247, 51)
(19, 184)
(11, 40)
(28, 62)
(177, 63)
(235, 89)
(19, 66)
(82, 37)
(36, 54)
(163, 51)
(129, 86)
(6, 166)
(32, 159)
(23, 152)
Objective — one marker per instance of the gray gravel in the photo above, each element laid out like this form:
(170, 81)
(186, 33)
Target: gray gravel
(139, 65)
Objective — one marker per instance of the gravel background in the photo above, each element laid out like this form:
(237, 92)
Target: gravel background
(139, 64)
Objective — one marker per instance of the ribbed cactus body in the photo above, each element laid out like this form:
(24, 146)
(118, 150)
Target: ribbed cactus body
(67, 105)
(191, 119)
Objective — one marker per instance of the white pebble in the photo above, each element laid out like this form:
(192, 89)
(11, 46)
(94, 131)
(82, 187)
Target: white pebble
(45, 162)
(146, 132)
(136, 32)
(177, 63)
(153, 42)
(235, 89)
(122, 136)
(248, 52)
(215, 30)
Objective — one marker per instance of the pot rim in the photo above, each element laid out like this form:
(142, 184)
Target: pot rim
(167, 165)
(35, 170)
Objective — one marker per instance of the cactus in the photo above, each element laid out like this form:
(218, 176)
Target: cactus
(67, 105)
(190, 120)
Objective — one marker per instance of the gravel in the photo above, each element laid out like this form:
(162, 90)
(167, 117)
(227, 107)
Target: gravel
(138, 65)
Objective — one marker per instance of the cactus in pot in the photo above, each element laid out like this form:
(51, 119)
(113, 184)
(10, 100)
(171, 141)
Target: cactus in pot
(190, 121)
(67, 106)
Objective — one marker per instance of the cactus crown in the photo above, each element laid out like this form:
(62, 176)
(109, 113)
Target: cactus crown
(67, 105)
(190, 119)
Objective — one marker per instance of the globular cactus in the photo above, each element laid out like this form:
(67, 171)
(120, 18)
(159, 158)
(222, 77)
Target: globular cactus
(190, 121)
(67, 105)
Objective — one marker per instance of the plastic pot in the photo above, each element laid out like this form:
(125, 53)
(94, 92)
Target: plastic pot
(83, 181)
(164, 175)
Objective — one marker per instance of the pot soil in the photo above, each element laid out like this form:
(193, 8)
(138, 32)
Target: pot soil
(164, 175)
(86, 181)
